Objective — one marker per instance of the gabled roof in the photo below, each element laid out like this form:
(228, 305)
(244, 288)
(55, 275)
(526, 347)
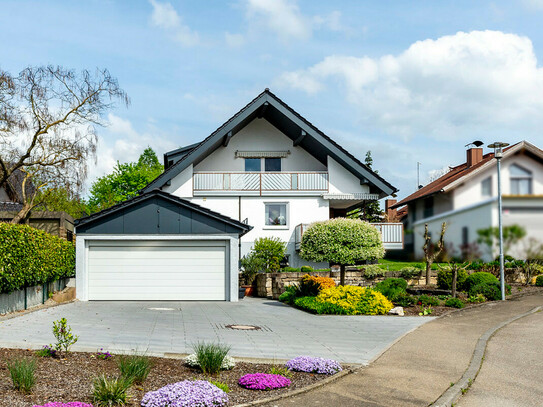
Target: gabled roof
(242, 227)
(459, 174)
(289, 122)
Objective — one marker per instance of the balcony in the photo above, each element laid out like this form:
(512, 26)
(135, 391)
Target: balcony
(260, 183)
(391, 235)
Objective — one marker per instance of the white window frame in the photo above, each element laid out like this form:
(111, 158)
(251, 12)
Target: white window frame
(287, 215)
(489, 180)
(528, 177)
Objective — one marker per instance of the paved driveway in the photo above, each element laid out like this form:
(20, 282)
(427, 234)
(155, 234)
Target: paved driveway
(172, 327)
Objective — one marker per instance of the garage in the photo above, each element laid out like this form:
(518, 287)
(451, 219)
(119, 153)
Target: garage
(157, 247)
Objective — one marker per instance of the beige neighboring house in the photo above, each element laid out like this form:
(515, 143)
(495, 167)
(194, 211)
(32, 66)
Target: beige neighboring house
(56, 223)
(466, 198)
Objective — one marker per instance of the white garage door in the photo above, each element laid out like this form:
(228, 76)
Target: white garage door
(156, 270)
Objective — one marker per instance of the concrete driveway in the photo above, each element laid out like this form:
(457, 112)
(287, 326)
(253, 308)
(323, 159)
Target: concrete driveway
(159, 328)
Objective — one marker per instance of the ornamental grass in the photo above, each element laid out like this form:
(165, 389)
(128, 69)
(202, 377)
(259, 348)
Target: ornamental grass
(263, 381)
(187, 393)
(314, 365)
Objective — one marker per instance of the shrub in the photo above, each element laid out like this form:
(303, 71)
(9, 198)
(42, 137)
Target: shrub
(271, 250)
(110, 391)
(342, 241)
(22, 372)
(539, 281)
(47, 352)
(491, 291)
(221, 385)
(63, 334)
(70, 404)
(373, 270)
(289, 295)
(391, 287)
(263, 381)
(306, 269)
(427, 300)
(313, 365)
(312, 285)
(477, 299)
(356, 300)
(405, 300)
(31, 257)
(187, 393)
(210, 356)
(454, 303)
(289, 270)
(311, 304)
(251, 265)
(444, 279)
(134, 368)
(480, 277)
(409, 273)
(227, 363)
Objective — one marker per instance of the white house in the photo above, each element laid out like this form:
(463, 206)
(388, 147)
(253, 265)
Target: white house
(266, 172)
(466, 199)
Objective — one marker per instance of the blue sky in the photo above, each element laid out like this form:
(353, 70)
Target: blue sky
(410, 80)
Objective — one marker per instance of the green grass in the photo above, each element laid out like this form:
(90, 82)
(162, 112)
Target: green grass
(110, 391)
(210, 356)
(395, 265)
(134, 368)
(22, 371)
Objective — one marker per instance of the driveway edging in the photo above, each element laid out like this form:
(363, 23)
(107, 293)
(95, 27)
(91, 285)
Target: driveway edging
(453, 393)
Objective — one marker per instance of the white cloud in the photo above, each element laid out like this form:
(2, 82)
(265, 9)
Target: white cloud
(533, 4)
(445, 88)
(332, 21)
(234, 40)
(166, 17)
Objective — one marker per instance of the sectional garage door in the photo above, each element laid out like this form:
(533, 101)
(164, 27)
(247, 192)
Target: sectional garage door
(157, 270)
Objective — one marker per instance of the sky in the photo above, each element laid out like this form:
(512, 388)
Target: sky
(412, 81)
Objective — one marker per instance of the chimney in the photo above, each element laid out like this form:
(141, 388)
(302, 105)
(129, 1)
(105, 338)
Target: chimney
(390, 213)
(474, 155)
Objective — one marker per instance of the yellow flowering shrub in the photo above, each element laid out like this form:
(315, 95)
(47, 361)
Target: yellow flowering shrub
(320, 283)
(356, 300)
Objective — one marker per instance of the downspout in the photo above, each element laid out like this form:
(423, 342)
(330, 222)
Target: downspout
(239, 218)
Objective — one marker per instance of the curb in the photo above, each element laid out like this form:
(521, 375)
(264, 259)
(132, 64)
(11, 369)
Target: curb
(305, 389)
(450, 396)
(40, 307)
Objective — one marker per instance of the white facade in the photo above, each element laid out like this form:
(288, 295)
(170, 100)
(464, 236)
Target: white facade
(303, 204)
(468, 206)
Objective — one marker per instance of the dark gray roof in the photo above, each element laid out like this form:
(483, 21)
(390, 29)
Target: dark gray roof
(289, 122)
(242, 228)
(176, 155)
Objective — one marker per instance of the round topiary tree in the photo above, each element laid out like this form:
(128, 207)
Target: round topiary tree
(342, 241)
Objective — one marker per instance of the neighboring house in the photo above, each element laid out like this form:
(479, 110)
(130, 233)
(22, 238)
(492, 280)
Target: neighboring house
(56, 223)
(466, 198)
(266, 167)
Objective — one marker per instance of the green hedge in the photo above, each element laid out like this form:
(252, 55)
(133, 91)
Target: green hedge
(30, 257)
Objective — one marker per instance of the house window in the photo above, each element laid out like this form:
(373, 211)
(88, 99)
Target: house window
(486, 187)
(429, 207)
(276, 214)
(272, 164)
(465, 236)
(252, 164)
(521, 180)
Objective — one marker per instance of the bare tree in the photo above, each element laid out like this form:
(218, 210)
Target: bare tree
(48, 119)
(430, 252)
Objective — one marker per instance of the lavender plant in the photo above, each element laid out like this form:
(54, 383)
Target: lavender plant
(263, 381)
(198, 393)
(314, 365)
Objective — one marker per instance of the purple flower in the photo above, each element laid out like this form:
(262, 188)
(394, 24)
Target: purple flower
(71, 404)
(198, 393)
(263, 381)
(313, 365)
(103, 355)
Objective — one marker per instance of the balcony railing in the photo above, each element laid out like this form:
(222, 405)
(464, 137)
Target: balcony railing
(260, 182)
(391, 235)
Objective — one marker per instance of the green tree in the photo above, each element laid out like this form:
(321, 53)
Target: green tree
(342, 241)
(370, 211)
(124, 182)
(60, 200)
(490, 237)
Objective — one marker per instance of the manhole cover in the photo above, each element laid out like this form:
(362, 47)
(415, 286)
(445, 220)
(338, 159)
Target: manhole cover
(243, 327)
(161, 309)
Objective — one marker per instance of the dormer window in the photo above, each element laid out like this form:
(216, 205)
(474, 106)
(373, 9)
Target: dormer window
(521, 180)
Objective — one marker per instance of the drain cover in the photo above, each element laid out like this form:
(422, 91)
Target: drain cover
(243, 327)
(161, 309)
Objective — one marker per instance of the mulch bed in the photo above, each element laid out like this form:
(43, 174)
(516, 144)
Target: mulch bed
(70, 379)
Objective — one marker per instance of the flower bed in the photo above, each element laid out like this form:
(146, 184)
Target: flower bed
(186, 394)
(69, 404)
(70, 379)
(314, 365)
(264, 381)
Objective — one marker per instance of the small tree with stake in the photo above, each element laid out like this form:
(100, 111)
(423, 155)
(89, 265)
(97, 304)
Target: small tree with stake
(342, 241)
(431, 253)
